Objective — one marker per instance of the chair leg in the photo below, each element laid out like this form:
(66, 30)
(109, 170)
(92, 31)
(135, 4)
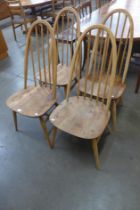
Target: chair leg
(96, 153)
(43, 125)
(137, 84)
(114, 114)
(85, 53)
(14, 32)
(65, 91)
(15, 120)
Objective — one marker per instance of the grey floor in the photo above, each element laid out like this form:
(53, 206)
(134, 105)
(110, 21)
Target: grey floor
(33, 177)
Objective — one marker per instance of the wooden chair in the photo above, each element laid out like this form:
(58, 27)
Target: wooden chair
(85, 8)
(35, 100)
(121, 24)
(56, 6)
(18, 16)
(66, 36)
(82, 116)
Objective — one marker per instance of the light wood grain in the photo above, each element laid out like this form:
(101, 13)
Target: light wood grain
(35, 101)
(84, 116)
(66, 36)
(81, 117)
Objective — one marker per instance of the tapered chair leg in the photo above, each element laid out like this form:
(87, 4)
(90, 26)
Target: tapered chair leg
(137, 84)
(54, 131)
(96, 153)
(43, 125)
(14, 32)
(65, 91)
(114, 114)
(15, 120)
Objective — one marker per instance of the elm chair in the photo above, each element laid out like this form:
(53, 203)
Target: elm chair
(36, 100)
(82, 116)
(19, 16)
(66, 36)
(121, 24)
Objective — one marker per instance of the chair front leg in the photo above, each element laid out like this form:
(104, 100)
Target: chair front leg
(43, 125)
(15, 120)
(96, 152)
(113, 110)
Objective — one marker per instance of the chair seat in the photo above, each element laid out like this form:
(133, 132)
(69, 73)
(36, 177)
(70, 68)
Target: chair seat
(81, 117)
(117, 92)
(20, 20)
(32, 102)
(62, 75)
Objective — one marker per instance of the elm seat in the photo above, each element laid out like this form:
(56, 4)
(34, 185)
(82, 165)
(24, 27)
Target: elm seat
(81, 117)
(42, 101)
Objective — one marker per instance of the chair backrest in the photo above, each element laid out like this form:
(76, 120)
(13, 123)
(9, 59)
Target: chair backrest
(121, 24)
(15, 8)
(100, 65)
(66, 33)
(40, 55)
(84, 9)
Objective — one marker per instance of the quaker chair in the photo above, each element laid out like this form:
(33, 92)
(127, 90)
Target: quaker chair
(35, 100)
(66, 35)
(83, 116)
(56, 6)
(121, 24)
(84, 8)
(19, 17)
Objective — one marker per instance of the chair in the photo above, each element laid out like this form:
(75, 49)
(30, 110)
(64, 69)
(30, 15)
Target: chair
(121, 24)
(54, 8)
(36, 100)
(18, 16)
(123, 29)
(82, 116)
(84, 9)
(66, 36)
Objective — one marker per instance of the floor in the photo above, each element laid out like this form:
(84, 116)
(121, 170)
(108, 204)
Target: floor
(34, 177)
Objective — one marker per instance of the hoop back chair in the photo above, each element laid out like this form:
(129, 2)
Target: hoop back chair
(66, 36)
(36, 100)
(83, 116)
(18, 16)
(121, 24)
